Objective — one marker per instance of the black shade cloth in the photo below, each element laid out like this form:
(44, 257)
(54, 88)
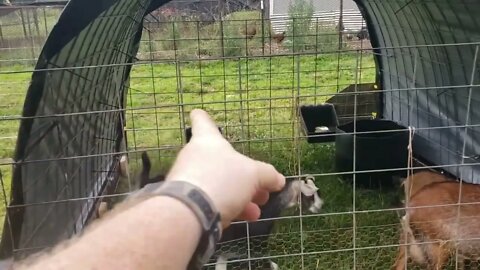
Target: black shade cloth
(73, 122)
(431, 46)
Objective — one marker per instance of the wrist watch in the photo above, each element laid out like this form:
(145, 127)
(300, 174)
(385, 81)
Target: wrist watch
(201, 205)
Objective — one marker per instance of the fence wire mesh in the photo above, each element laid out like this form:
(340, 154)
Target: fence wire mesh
(23, 31)
(253, 79)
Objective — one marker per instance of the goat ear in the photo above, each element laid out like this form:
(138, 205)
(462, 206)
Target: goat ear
(308, 188)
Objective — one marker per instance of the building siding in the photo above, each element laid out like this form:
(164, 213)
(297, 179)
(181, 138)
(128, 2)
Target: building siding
(326, 12)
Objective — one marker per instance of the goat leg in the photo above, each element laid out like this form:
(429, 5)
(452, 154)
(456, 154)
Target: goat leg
(440, 255)
(274, 266)
(401, 260)
(221, 263)
(408, 247)
(460, 263)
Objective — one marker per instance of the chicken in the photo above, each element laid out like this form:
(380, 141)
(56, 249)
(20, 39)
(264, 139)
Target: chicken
(363, 33)
(250, 31)
(279, 37)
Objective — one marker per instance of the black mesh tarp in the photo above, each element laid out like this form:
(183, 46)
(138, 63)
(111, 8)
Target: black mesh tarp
(73, 121)
(430, 46)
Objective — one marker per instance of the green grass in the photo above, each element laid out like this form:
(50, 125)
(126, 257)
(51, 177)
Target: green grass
(183, 39)
(12, 94)
(262, 127)
(268, 86)
(16, 47)
(23, 40)
(326, 235)
(255, 101)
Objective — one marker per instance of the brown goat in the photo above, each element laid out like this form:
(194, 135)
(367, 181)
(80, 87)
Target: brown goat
(432, 218)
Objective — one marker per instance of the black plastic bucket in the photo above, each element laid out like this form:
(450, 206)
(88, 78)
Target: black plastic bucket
(319, 122)
(380, 145)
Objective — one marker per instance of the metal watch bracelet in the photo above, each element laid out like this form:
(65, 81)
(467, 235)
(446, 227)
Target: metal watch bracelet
(201, 206)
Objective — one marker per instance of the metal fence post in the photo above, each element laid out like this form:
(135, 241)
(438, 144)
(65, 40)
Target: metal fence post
(341, 27)
(262, 15)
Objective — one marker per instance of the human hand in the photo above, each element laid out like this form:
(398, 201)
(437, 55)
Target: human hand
(235, 183)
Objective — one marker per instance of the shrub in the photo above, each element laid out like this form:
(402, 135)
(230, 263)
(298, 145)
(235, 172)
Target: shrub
(233, 43)
(299, 28)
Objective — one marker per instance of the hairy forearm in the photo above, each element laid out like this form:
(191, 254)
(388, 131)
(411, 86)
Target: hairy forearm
(159, 233)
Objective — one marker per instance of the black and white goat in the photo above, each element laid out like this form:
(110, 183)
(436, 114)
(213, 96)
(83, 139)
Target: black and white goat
(302, 191)
(294, 192)
(145, 174)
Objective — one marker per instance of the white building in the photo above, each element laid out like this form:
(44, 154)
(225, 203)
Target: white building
(326, 11)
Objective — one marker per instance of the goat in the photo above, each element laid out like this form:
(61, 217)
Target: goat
(123, 166)
(144, 179)
(145, 174)
(294, 191)
(259, 231)
(432, 216)
(102, 209)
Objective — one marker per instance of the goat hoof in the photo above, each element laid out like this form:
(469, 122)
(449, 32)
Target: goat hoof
(274, 266)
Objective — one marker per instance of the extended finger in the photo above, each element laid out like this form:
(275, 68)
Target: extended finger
(269, 178)
(202, 124)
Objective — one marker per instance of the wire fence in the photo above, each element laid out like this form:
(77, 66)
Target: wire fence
(181, 32)
(254, 80)
(23, 31)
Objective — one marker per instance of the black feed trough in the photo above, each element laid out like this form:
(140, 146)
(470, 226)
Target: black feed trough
(380, 145)
(319, 122)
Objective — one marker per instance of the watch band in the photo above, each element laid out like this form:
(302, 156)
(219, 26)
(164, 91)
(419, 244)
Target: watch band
(201, 206)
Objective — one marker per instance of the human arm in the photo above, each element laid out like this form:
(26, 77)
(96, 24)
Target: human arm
(158, 233)
(161, 232)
